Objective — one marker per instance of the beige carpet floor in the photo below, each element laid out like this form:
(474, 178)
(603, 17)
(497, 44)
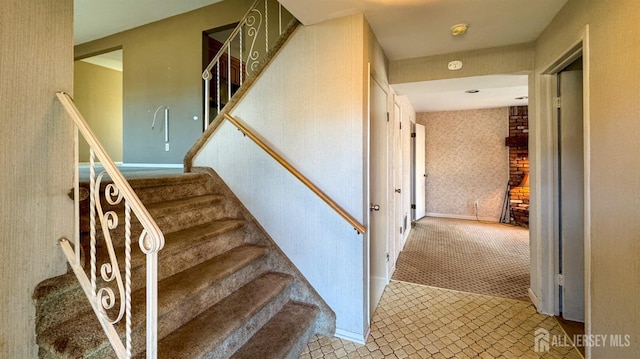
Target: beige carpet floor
(468, 256)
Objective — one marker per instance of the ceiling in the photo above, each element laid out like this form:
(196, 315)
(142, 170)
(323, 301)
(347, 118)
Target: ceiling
(451, 95)
(111, 60)
(416, 28)
(94, 19)
(404, 28)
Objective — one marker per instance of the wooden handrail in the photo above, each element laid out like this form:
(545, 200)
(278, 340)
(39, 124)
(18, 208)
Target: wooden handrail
(354, 222)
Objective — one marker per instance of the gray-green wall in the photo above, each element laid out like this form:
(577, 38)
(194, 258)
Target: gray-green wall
(162, 64)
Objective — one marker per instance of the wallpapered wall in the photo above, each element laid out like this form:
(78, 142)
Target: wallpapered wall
(466, 160)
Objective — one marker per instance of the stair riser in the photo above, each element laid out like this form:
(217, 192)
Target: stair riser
(149, 195)
(167, 193)
(60, 306)
(325, 323)
(239, 337)
(73, 301)
(198, 254)
(170, 223)
(301, 343)
(158, 190)
(286, 334)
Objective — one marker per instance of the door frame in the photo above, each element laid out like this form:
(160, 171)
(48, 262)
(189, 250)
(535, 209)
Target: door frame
(395, 241)
(544, 211)
(567, 231)
(418, 179)
(384, 206)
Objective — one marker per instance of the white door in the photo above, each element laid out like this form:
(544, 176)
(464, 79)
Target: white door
(571, 197)
(419, 173)
(397, 230)
(378, 222)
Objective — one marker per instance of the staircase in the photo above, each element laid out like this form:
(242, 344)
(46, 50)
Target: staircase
(225, 290)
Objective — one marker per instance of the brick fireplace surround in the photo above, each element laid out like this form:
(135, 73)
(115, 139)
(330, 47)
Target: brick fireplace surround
(518, 165)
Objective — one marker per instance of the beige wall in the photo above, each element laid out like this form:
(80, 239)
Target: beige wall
(499, 60)
(162, 65)
(36, 149)
(612, 64)
(98, 95)
(466, 160)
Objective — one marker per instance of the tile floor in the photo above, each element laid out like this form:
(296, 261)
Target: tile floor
(416, 321)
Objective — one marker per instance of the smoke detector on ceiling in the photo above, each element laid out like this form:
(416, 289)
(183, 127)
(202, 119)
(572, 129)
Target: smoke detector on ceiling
(460, 29)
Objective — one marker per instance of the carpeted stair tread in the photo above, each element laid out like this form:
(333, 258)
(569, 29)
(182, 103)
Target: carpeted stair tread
(206, 332)
(79, 336)
(284, 336)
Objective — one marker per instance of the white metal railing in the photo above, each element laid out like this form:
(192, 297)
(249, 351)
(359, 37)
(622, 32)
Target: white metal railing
(239, 60)
(100, 291)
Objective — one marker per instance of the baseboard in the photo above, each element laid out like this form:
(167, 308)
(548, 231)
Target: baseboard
(139, 165)
(460, 216)
(86, 164)
(153, 165)
(534, 299)
(351, 336)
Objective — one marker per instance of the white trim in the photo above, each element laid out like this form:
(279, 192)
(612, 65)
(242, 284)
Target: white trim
(549, 256)
(460, 216)
(86, 164)
(586, 69)
(533, 298)
(140, 165)
(351, 336)
(153, 165)
(367, 213)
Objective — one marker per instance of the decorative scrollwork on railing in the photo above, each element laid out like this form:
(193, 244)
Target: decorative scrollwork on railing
(253, 26)
(109, 271)
(241, 49)
(107, 290)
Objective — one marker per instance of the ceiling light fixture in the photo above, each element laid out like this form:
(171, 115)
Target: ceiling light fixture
(460, 29)
(472, 91)
(522, 98)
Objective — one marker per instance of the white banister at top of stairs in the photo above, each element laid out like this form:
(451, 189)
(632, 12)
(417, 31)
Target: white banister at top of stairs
(253, 26)
(101, 294)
